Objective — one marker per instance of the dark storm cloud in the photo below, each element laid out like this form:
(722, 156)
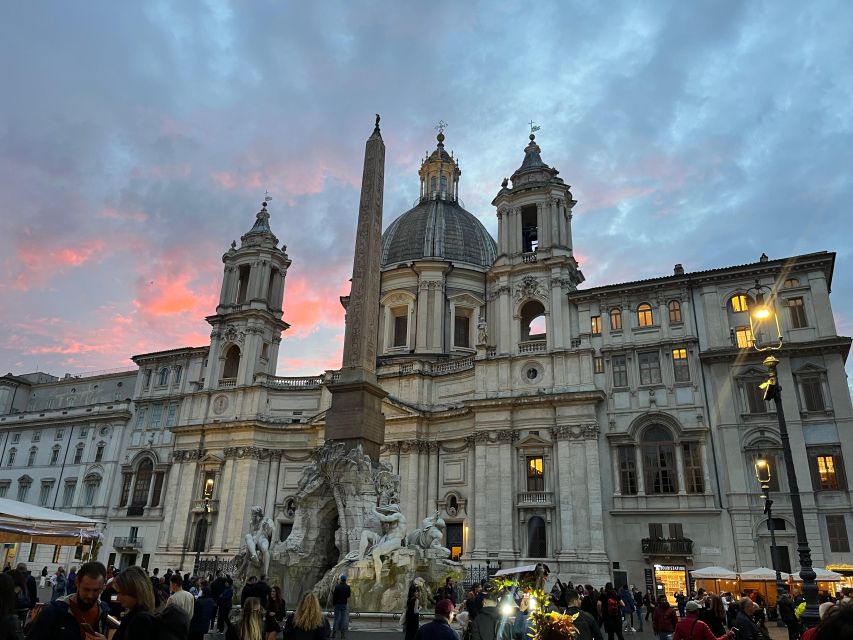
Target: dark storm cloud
(136, 141)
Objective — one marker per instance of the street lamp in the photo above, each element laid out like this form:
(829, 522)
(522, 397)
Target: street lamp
(208, 493)
(762, 473)
(761, 315)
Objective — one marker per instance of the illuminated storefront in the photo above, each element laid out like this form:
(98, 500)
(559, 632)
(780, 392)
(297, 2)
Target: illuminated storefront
(669, 580)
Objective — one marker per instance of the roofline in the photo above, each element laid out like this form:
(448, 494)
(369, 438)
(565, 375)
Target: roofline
(770, 265)
(167, 352)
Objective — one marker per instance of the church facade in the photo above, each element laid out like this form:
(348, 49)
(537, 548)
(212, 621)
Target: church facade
(609, 431)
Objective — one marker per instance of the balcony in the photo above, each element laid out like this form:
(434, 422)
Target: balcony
(212, 506)
(227, 383)
(667, 546)
(528, 257)
(126, 542)
(532, 346)
(536, 499)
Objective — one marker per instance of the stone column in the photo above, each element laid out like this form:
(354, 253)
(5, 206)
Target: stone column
(679, 467)
(505, 457)
(541, 225)
(565, 495)
(480, 547)
(706, 476)
(423, 308)
(641, 478)
(568, 223)
(437, 287)
(519, 244)
(272, 487)
(596, 517)
(223, 522)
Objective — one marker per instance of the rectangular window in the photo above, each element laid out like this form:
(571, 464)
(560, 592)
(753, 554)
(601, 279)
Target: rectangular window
(68, 494)
(31, 459)
(140, 416)
(627, 471)
(680, 367)
(649, 367)
(172, 415)
(156, 414)
(89, 496)
(56, 551)
(836, 530)
(693, 473)
(36, 436)
(754, 396)
(78, 455)
(620, 371)
(4, 489)
(400, 330)
(616, 320)
(812, 393)
(54, 456)
(44, 496)
(83, 432)
(535, 473)
(11, 459)
(148, 374)
(827, 469)
(454, 539)
(59, 434)
(99, 453)
(743, 337)
(596, 325)
(16, 438)
(158, 489)
(598, 364)
(126, 481)
(23, 490)
(798, 313)
(461, 331)
(659, 468)
(33, 548)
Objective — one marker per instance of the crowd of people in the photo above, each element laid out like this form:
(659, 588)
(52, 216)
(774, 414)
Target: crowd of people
(613, 612)
(94, 602)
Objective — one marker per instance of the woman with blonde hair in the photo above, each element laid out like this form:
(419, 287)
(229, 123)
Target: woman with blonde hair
(251, 626)
(307, 622)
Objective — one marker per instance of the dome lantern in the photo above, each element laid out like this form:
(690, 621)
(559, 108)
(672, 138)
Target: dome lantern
(439, 172)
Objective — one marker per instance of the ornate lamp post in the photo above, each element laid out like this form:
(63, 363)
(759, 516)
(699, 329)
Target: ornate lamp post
(762, 473)
(208, 494)
(760, 317)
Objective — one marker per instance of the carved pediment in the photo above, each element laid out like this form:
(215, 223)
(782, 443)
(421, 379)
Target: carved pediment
(531, 441)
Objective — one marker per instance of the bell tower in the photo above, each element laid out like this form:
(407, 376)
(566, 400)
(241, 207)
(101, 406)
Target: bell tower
(535, 266)
(247, 325)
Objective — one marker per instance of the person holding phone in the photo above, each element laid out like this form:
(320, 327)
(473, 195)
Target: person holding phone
(69, 617)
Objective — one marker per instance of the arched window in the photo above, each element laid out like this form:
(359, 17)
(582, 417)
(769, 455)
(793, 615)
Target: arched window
(54, 455)
(143, 483)
(12, 453)
(78, 454)
(659, 460)
(163, 377)
(616, 319)
(537, 546)
(200, 536)
(271, 287)
(178, 371)
(533, 321)
(644, 315)
(674, 311)
(739, 303)
(244, 272)
(232, 362)
(443, 183)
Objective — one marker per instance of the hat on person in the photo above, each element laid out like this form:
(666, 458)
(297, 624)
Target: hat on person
(693, 606)
(444, 607)
(343, 578)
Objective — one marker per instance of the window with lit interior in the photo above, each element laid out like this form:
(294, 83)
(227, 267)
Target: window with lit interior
(644, 315)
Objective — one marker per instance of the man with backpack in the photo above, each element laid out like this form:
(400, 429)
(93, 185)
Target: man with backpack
(64, 618)
(586, 624)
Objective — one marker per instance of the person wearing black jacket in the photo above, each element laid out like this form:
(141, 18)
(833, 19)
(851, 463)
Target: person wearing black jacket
(32, 588)
(203, 613)
(10, 624)
(223, 604)
(340, 597)
(587, 626)
(61, 619)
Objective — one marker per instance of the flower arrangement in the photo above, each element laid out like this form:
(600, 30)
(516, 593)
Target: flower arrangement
(546, 622)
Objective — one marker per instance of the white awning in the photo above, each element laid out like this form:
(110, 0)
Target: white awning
(22, 522)
(762, 574)
(714, 573)
(822, 575)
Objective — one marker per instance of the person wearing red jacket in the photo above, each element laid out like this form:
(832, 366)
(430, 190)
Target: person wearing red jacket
(692, 628)
(664, 619)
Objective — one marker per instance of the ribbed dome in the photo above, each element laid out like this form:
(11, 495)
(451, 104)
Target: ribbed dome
(441, 229)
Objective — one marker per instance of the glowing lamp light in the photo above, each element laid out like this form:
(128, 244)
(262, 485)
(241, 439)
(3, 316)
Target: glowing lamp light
(762, 471)
(532, 604)
(507, 609)
(761, 313)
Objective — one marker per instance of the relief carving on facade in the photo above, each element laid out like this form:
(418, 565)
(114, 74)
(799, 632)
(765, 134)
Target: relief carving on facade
(530, 287)
(576, 432)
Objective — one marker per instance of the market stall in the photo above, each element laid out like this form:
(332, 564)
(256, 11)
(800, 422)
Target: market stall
(826, 581)
(762, 580)
(715, 579)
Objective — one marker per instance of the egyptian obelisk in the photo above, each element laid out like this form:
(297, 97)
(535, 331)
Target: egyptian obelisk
(355, 416)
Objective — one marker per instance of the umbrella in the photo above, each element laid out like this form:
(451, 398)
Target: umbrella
(762, 574)
(714, 573)
(822, 576)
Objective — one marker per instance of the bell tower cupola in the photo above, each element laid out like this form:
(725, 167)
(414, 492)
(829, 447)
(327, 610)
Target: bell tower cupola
(247, 325)
(439, 173)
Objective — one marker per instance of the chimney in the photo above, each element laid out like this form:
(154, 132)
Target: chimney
(763, 258)
(679, 270)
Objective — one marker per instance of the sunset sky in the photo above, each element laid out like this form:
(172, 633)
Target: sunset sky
(137, 141)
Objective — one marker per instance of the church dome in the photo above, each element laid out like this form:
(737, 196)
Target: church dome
(437, 227)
